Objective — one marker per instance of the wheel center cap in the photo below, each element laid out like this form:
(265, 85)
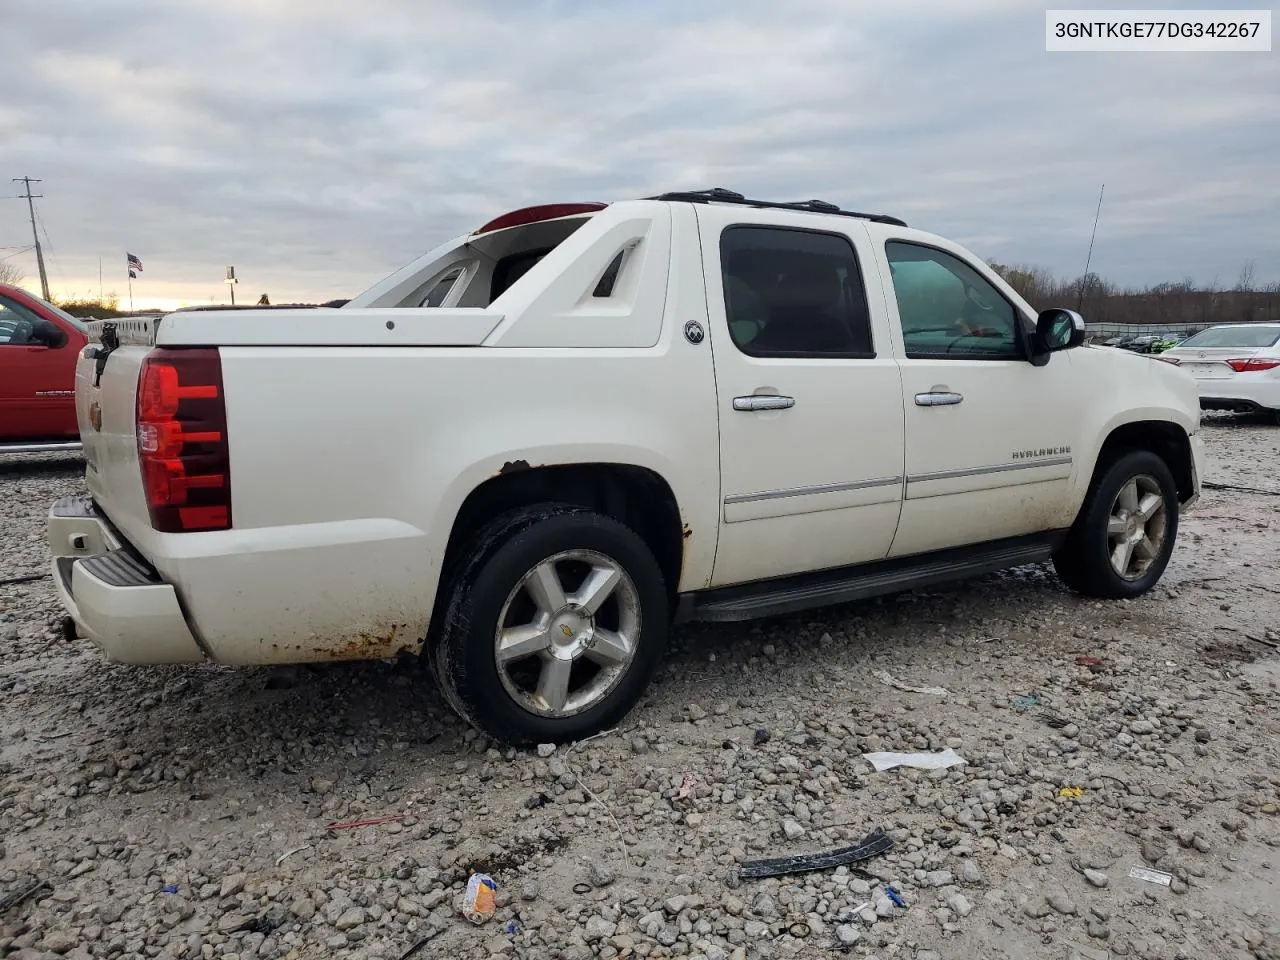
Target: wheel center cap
(570, 631)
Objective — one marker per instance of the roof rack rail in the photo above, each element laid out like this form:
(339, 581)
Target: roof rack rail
(721, 195)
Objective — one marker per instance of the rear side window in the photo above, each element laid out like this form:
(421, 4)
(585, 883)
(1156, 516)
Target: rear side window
(794, 293)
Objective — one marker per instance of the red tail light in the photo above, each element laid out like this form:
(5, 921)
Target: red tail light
(182, 440)
(1252, 366)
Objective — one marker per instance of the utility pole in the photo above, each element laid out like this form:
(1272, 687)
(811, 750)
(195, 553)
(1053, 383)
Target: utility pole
(35, 234)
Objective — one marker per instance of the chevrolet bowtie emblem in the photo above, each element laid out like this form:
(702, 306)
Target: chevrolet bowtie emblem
(564, 628)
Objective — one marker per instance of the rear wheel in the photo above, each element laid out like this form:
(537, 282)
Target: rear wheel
(557, 622)
(1121, 542)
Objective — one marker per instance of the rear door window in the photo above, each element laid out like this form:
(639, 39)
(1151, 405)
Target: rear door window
(794, 293)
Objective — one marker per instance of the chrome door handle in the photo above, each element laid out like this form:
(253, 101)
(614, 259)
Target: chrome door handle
(763, 402)
(937, 399)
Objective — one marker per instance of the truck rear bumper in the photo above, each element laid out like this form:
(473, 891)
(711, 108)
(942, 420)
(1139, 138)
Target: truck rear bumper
(115, 599)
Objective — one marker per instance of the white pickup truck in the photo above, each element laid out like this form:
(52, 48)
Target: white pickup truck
(529, 452)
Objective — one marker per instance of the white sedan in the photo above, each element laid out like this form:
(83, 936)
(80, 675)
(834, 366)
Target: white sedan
(1236, 366)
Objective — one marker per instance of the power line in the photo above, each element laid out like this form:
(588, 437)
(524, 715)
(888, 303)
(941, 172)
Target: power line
(62, 274)
(31, 208)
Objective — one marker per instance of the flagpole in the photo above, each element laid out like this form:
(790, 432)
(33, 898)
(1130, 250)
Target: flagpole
(99, 279)
(129, 271)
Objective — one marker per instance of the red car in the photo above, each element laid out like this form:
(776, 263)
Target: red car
(38, 348)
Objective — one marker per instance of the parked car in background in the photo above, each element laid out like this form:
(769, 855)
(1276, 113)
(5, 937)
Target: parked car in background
(1235, 365)
(38, 348)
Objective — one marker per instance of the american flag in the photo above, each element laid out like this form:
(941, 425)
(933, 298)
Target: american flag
(135, 266)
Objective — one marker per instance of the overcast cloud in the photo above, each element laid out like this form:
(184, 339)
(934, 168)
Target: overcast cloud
(319, 144)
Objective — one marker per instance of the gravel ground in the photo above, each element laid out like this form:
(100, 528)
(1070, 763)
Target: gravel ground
(183, 812)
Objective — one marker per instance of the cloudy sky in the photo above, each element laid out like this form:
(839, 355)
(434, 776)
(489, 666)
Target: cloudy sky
(319, 144)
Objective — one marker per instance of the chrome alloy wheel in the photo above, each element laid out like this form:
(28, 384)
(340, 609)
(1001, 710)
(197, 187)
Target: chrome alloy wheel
(567, 633)
(1137, 527)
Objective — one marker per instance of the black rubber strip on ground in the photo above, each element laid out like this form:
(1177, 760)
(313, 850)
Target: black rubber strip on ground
(29, 578)
(1210, 485)
(23, 894)
(876, 843)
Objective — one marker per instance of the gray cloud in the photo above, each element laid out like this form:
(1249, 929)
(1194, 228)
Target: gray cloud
(319, 144)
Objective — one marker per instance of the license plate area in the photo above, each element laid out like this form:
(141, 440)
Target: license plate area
(1208, 371)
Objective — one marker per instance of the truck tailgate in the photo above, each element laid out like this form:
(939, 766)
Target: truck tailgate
(106, 399)
(108, 370)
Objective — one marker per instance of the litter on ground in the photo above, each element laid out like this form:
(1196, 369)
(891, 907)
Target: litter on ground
(921, 761)
(876, 843)
(889, 681)
(1151, 876)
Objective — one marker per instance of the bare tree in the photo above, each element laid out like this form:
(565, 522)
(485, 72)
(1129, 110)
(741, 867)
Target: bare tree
(1245, 283)
(9, 273)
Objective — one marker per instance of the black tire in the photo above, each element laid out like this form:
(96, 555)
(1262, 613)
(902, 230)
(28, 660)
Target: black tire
(1084, 560)
(498, 558)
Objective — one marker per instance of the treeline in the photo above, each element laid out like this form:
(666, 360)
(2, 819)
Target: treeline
(108, 308)
(1165, 303)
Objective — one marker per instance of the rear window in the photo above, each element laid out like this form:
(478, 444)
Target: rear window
(435, 296)
(1234, 337)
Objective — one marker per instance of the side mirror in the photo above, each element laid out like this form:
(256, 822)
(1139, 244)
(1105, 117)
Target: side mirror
(50, 335)
(1058, 329)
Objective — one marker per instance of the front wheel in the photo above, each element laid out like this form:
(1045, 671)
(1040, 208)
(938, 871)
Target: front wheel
(557, 622)
(1123, 538)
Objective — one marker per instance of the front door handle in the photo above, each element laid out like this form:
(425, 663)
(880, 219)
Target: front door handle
(938, 399)
(763, 402)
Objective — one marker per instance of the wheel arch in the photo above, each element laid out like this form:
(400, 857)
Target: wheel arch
(1165, 438)
(635, 496)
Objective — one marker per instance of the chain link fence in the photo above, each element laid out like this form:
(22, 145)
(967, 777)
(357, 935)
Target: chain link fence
(1105, 331)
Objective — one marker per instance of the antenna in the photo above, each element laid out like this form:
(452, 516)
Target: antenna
(1084, 279)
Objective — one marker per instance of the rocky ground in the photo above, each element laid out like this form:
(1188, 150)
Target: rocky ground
(186, 812)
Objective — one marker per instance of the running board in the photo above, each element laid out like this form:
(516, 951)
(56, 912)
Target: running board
(769, 598)
(54, 446)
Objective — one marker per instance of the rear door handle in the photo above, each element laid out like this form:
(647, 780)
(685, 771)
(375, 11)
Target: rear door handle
(763, 402)
(939, 399)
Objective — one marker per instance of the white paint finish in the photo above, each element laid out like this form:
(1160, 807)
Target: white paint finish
(326, 327)
(132, 624)
(937, 522)
(450, 438)
(845, 428)
(1007, 406)
(129, 624)
(354, 446)
(112, 472)
(477, 254)
(556, 307)
(797, 501)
